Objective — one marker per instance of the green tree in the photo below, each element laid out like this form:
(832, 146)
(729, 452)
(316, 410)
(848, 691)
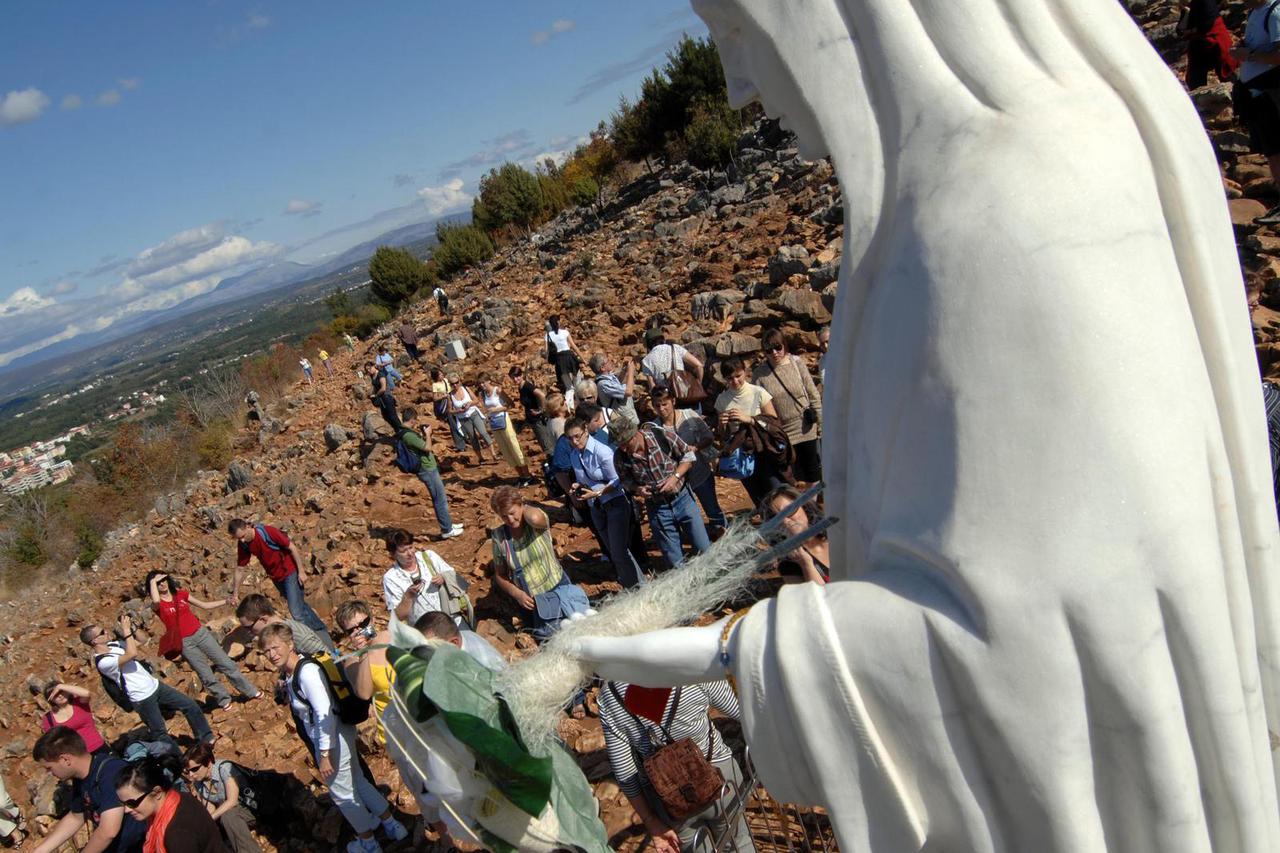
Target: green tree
(395, 275)
(460, 246)
(509, 195)
(339, 302)
(712, 134)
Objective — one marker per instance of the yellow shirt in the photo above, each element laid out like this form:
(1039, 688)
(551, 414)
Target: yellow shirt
(324, 356)
(382, 675)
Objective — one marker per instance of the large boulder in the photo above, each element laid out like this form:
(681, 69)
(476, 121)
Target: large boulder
(334, 437)
(238, 476)
(803, 305)
(788, 261)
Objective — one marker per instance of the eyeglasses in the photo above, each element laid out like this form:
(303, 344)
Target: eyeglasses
(775, 348)
(359, 627)
(136, 801)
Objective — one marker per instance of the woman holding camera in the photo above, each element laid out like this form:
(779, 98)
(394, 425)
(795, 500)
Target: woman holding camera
(186, 637)
(373, 674)
(796, 399)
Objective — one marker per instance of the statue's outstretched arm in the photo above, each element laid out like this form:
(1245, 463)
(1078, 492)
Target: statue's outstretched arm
(665, 658)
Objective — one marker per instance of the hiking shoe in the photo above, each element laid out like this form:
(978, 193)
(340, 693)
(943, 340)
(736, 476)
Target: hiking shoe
(394, 829)
(364, 845)
(1271, 217)
(454, 532)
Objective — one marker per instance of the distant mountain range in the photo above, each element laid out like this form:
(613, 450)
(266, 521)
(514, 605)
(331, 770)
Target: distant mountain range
(266, 279)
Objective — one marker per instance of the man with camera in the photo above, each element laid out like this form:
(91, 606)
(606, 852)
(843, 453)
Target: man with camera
(119, 661)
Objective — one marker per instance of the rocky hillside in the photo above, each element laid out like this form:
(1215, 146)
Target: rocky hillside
(718, 255)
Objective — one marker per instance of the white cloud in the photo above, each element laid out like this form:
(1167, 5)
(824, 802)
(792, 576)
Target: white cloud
(72, 102)
(257, 22)
(109, 98)
(562, 25)
(129, 82)
(22, 301)
(495, 151)
(226, 254)
(301, 207)
(63, 288)
(23, 105)
(446, 198)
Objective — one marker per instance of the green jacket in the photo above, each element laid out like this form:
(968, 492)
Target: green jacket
(415, 442)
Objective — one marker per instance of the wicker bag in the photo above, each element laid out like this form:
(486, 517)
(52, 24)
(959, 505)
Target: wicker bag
(681, 775)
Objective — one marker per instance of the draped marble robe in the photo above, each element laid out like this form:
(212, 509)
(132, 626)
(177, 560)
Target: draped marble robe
(1054, 617)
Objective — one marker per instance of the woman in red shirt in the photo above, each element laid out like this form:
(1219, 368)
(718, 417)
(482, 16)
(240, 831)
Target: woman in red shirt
(69, 706)
(187, 637)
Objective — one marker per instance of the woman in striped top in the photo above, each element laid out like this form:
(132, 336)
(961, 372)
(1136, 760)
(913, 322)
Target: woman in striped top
(630, 718)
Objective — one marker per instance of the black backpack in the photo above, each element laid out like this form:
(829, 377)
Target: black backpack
(349, 707)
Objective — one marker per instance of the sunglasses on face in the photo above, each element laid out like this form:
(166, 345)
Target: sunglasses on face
(775, 348)
(361, 627)
(135, 802)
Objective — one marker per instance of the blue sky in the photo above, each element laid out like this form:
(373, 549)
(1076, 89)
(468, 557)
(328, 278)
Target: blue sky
(148, 150)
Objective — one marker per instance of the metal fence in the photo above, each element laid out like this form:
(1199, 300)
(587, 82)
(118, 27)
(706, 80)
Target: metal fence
(774, 827)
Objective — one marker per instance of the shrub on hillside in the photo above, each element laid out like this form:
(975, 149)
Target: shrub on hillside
(271, 373)
(394, 276)
(214, 444)
(712, 135)
(362, 323)
(460, 247)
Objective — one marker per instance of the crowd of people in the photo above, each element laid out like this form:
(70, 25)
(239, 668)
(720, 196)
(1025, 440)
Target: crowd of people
(640, 442)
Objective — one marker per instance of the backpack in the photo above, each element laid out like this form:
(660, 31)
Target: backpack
(266, 537)
(349, 707)
(114, 687)
(406, 459)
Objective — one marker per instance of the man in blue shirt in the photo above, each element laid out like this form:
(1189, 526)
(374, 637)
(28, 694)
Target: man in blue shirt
(93, 795)
(597, 484)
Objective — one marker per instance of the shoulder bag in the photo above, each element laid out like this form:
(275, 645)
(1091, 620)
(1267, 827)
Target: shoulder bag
(685, 387)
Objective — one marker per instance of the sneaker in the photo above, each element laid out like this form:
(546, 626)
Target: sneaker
(395, 830)
(1271, 217)
(224, 703)
(364, 845)
(454, 532)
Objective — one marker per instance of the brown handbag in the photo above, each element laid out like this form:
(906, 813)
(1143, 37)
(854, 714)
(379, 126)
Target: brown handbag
(681, 775)
(685, 387)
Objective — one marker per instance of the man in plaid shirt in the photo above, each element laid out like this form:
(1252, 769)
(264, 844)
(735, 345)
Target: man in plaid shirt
(652, 462)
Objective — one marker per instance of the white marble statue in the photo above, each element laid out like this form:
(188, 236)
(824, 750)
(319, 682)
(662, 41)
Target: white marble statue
(1054, 624)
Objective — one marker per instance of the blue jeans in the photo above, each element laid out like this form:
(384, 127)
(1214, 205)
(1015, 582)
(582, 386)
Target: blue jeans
(430, 478)
(614, 520)
(674, 520)
(151, 712)
(706, 492)
(298, 607)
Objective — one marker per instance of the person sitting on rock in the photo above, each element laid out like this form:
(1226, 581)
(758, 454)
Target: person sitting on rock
(421, 581)
(93, 798)
(186, 637)
(283, 564)
(222, 787)
(151, 793)
(428, 471)
(256, 612)
(385, 361)
(69, 706)
(119, 661)
(333, 741)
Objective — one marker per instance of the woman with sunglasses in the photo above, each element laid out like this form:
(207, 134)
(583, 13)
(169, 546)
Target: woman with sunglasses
(374, 673)
(224, 791)
(176, 822)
